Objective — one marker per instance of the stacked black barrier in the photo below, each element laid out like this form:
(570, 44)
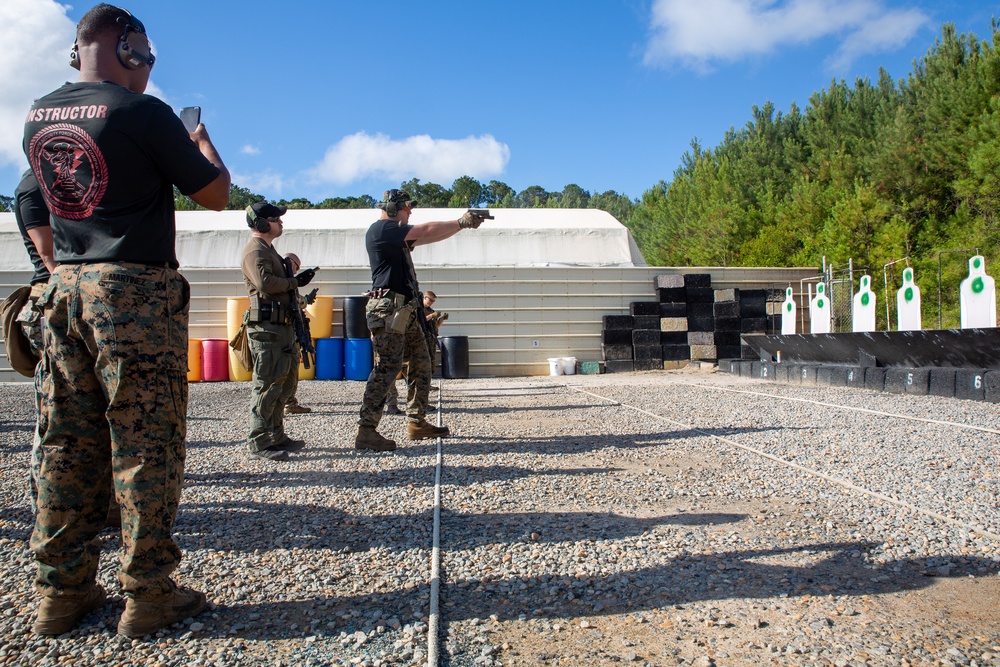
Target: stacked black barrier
(672, 297)
(753, 317)
(647, 355)
(616, 343)
(700, 315)
(690, 320)
(727, 323)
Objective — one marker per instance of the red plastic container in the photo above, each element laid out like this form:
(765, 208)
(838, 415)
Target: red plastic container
(215, 360)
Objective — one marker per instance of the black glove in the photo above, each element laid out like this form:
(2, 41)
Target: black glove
(303, 278)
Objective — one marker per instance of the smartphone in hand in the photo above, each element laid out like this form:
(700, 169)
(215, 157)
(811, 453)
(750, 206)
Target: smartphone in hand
(191, 117)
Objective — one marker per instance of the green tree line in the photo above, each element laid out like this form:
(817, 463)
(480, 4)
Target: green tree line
(465, 192)
(871, 172)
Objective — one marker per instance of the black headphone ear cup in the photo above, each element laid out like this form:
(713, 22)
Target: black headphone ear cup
(391, 210)
(262, 225)
(124, 55)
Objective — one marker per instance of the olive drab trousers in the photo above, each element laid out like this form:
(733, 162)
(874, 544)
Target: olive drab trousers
(275, 376)
(113, 405)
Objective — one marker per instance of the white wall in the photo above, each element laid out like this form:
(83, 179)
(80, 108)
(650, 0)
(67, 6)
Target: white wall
(503, 310)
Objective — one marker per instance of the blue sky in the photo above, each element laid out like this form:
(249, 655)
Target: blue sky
(324, 98)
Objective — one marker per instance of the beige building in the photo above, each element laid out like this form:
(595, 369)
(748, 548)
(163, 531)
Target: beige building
(529, 285)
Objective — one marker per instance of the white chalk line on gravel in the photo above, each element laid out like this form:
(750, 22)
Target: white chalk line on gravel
(434, 613)
(800, 468)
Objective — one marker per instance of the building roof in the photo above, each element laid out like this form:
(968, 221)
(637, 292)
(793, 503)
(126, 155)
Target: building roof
(336, 237)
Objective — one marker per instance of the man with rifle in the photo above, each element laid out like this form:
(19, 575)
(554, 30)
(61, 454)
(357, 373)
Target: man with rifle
(271, 330)
(395, 316)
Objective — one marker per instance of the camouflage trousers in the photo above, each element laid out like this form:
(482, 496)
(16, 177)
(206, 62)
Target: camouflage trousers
(392, 396)
(390, 348)
(113, 392)
(275, 377)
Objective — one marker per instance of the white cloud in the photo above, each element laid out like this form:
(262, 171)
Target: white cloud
(362, 155)
(250, 150)
(37, 37)
(698, 34)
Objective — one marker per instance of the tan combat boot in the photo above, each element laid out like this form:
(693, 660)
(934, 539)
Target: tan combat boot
(57, 615)
(369, 438)
(422, 430)
(146, 615)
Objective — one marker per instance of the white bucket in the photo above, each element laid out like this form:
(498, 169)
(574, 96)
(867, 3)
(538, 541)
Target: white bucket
(569, 365)
(555, 366)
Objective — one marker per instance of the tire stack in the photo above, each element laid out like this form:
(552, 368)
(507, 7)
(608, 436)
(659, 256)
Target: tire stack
(672, 298)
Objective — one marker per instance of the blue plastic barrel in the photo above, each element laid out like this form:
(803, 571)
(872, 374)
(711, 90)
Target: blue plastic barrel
(330, 359)
(358, 359)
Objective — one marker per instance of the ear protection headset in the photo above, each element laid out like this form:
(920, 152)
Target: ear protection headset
(392, 201)
(257, 223)
(127, 55)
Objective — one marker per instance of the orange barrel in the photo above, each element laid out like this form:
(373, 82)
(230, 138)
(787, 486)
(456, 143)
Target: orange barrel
(214, 360)
(320, 314)
(235, 307)
(310, 373)
(194, 360)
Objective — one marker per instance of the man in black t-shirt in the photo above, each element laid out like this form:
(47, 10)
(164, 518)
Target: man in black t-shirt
(113, 373)
(392, 320)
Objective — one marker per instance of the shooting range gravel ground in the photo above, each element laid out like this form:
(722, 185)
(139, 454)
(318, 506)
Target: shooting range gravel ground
(576, 530)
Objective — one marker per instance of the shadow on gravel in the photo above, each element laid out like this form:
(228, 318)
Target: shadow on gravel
(225, 527)
(833, 569)
(26, 426)
(409, 477)
(466, 445)
(16, 522)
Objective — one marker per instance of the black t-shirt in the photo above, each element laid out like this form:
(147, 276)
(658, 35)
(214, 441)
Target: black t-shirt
(384, 242)
(30, 213)
(106, 161)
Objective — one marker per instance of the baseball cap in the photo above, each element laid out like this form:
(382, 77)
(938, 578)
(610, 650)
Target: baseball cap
(263, 209)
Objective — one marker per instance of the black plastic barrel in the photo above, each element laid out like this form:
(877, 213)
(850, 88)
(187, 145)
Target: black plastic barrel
(454, 356)
(355, 322)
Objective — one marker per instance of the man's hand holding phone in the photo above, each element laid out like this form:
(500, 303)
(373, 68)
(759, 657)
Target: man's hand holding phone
(191, 117)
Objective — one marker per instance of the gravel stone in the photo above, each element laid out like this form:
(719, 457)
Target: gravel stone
(660, 518)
